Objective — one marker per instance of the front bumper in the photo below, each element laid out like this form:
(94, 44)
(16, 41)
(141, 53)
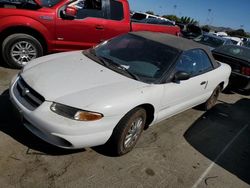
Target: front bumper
(61, 131)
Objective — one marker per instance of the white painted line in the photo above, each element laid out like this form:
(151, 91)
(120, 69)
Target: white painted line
(217, 158)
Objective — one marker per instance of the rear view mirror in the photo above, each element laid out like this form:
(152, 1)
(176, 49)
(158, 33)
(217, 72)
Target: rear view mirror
(181, 75)
(69, 13)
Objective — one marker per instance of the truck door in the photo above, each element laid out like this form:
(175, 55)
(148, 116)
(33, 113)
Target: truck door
(85, 30)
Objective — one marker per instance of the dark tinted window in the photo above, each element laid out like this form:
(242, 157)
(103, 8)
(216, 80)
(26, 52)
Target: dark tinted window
(116, 10)
(235, 51)
(19, 4)
(88, 8)
(138, 16)
(210, 41)
(194, 62)
(145, 58)
(49, 3)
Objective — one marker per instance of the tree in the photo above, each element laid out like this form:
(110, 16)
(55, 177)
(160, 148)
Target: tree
(238, 33)
(150, 12)
(188, 20)
(172, 17)
(206, 28)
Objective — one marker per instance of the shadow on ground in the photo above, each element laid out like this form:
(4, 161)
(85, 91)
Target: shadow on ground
(11, 125)
(233, 89)
(223, 135)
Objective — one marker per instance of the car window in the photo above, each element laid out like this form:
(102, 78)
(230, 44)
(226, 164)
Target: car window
(116, 10)
(210, 41)
(88, 8)
(145, 58)
(194, 62)
(138, 16)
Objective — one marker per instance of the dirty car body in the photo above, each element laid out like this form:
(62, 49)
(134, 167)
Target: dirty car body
(151, 71)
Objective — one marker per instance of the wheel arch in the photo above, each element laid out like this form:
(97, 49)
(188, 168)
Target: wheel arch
(150, 110)
(25, 30)
(221, 85)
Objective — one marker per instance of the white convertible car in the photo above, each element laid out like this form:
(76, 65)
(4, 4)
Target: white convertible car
(112, 92)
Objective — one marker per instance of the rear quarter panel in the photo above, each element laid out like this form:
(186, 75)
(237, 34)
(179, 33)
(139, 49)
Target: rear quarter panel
(221, 74)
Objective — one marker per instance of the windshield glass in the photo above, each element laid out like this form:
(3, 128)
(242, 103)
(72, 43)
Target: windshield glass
(210, 41)
(19, 4)
(49, 3)
(146, 59)
(235, 51)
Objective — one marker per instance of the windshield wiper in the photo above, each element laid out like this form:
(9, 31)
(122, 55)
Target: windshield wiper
(92, 53)
(120, 67)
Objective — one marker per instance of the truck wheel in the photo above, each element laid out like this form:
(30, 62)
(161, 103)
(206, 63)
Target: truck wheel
(212, 99)
(127, 132)
(19, 49)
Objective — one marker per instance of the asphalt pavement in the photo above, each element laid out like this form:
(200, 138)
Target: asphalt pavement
(192, 149)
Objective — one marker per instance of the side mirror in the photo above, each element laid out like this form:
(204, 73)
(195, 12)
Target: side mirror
(181, 75)
(69, 13)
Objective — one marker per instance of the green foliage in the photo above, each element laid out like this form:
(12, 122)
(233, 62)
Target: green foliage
(206, 28)
(172, 17)
(238, 33)
(187, 20)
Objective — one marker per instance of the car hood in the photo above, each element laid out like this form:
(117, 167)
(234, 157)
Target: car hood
(67, 76)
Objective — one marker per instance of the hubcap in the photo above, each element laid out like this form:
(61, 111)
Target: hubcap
(23, 52)
(133, 133)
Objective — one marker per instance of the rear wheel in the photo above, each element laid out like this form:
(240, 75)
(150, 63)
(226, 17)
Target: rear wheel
(127, 132)
(210, 103)
(19, 49)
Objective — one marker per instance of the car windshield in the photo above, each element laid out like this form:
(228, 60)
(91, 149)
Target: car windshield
(210, 41)
(146, 59)
(49, 3)
(235, 51)
(20, 4)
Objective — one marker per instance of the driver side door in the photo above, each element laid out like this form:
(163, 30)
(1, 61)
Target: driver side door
(83, 32)
(184, 94)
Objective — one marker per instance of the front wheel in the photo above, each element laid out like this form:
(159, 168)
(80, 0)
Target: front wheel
(127, 132)
(19, 49)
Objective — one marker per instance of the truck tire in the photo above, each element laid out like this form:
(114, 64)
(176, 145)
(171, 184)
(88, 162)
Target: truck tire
(18, 49)
(127, 132)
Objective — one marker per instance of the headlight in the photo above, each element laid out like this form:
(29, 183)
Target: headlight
(74, 113)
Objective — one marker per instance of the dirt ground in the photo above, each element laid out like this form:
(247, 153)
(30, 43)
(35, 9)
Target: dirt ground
(192, 149)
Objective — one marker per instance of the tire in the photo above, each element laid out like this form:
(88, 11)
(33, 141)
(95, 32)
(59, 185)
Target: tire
(210, 103)
(19, 49)
(125, 128)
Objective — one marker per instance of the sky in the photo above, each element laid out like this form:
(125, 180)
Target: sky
(226, 13)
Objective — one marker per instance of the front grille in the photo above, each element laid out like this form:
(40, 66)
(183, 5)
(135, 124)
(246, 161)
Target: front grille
(27, 96)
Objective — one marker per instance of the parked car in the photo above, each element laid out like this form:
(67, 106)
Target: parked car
(238, 58)
(30, 29)
(111, 93)
(212, 41)
(156, 21)
(235, 40)
(246, 44)
(190, 31)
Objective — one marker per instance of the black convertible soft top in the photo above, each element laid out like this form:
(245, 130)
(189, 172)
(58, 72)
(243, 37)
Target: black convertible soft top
(179, 43)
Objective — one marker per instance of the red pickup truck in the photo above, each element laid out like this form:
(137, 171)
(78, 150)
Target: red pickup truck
(32, 28)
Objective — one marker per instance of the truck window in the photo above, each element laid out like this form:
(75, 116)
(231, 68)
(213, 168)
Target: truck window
(116, 10)
(138, 16)
(88, 8)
